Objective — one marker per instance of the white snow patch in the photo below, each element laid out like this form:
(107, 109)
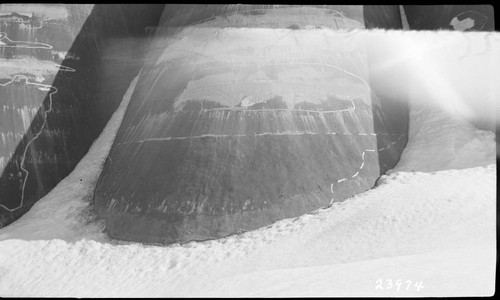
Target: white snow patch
(441, 141)
(435, 228)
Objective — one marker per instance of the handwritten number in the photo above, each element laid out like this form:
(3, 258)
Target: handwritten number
(389, 284)
(398, 284)
(408, 283)
(419, 285)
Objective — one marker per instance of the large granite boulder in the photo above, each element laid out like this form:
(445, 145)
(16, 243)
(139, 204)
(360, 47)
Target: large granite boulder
(245, 116)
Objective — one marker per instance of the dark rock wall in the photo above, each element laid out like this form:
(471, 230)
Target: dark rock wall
(60, 86)
(450, 17)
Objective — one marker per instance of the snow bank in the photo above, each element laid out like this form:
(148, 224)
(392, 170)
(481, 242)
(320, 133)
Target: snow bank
(442, 232)
(441, 141)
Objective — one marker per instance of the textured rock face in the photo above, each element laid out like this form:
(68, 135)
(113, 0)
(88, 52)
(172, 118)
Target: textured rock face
(251, 116)
(54, 61)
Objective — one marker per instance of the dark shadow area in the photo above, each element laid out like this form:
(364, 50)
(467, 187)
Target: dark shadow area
(390, 109)
(382, 16)
(450, 17)
(84, 102)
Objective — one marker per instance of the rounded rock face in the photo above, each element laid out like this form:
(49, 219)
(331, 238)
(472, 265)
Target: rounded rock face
(241, 122)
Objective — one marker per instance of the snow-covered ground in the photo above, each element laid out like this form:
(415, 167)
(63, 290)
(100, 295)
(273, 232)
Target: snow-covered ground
(427, 229)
